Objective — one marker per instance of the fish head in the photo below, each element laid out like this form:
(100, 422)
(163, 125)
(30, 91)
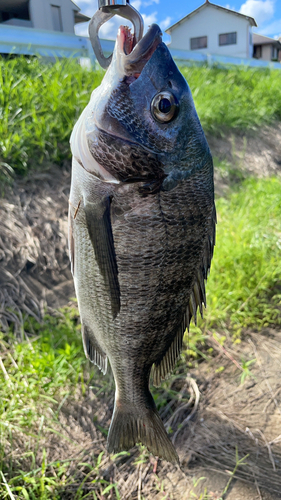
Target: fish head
(145, 101)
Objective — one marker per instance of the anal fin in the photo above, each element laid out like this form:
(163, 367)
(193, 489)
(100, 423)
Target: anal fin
(92, 351)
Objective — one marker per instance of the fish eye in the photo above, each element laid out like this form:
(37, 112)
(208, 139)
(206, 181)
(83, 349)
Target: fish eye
(164, 107)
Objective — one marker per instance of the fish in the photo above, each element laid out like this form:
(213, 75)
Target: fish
(141, 229)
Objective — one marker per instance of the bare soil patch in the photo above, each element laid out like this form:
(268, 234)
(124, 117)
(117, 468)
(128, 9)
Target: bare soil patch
(34, 264)
(253, 153)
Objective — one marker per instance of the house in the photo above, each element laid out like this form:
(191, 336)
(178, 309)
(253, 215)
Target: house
(266, 48)
(51, 15)
(211, 29)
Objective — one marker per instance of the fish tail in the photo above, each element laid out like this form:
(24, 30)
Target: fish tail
(130, 426)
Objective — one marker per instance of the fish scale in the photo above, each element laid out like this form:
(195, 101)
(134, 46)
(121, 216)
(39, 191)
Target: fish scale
(141, 231)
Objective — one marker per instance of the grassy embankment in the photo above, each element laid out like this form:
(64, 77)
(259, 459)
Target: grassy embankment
(39, 105)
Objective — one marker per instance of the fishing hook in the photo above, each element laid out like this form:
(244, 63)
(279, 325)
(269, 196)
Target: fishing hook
(108, 9)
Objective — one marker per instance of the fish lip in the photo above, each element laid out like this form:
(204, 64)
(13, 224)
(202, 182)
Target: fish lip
(135, 61)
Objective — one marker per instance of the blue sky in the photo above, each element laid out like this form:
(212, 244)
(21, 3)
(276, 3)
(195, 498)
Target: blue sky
(267, 14)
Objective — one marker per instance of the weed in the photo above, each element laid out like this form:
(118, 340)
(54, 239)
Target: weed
(39, 104)
(38, 374)
(239, 462)
(236, 98)
(245, 365)
(243, 288)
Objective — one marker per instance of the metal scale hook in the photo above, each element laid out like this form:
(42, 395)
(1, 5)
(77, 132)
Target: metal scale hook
(108, 9)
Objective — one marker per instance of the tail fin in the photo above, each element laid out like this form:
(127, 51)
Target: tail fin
(129, 426)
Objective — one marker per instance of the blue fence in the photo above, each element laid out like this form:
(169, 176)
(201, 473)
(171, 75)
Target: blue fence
(29, 41)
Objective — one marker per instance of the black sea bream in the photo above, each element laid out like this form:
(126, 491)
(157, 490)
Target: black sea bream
(141, 229)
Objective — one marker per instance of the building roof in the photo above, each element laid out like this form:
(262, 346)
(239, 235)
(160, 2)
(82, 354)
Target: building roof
(206, 4)
(78, 16)
(264, 40)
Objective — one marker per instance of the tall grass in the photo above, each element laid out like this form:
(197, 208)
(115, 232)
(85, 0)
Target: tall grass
(38, 375)
(244, 287)
(39, 104)
(237, 98)
(40, 369)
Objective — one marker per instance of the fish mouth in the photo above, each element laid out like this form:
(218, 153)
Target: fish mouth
(136, 55)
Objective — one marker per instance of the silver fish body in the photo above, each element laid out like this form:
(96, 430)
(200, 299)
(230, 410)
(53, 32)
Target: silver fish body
(141, 230)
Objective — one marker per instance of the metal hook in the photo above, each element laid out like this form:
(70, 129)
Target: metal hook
(108, 9)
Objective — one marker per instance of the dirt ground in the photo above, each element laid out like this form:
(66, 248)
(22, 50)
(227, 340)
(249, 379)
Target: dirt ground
(224, 418)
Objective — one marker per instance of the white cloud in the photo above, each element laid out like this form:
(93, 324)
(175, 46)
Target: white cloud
(136, 4)
(150, 2)
(149, 19)
(88, 7)
(260, 10)
(165, 23)
(271, 29)
(229, 7)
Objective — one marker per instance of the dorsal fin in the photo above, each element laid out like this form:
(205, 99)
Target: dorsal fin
(196, 299)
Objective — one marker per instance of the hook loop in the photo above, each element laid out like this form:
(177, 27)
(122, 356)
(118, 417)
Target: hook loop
(108, 9)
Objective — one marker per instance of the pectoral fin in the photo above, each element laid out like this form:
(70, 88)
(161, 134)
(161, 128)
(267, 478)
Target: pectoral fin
(100, 232)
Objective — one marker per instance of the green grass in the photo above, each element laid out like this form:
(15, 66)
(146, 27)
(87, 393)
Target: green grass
(48, 363)
(38, 374)
(39, 104)
(237, 98)
(244, 286)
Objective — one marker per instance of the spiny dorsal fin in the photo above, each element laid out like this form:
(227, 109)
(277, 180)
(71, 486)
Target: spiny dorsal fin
(92, 351)
(196, 299)
(167, 363)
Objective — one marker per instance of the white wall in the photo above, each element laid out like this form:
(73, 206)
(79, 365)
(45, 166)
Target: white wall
(40, 13)
(211, 22)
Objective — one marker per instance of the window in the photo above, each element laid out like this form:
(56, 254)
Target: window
(56, 18)
(257, 51)
(274, 53)
(199, 42)
(228, 38)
